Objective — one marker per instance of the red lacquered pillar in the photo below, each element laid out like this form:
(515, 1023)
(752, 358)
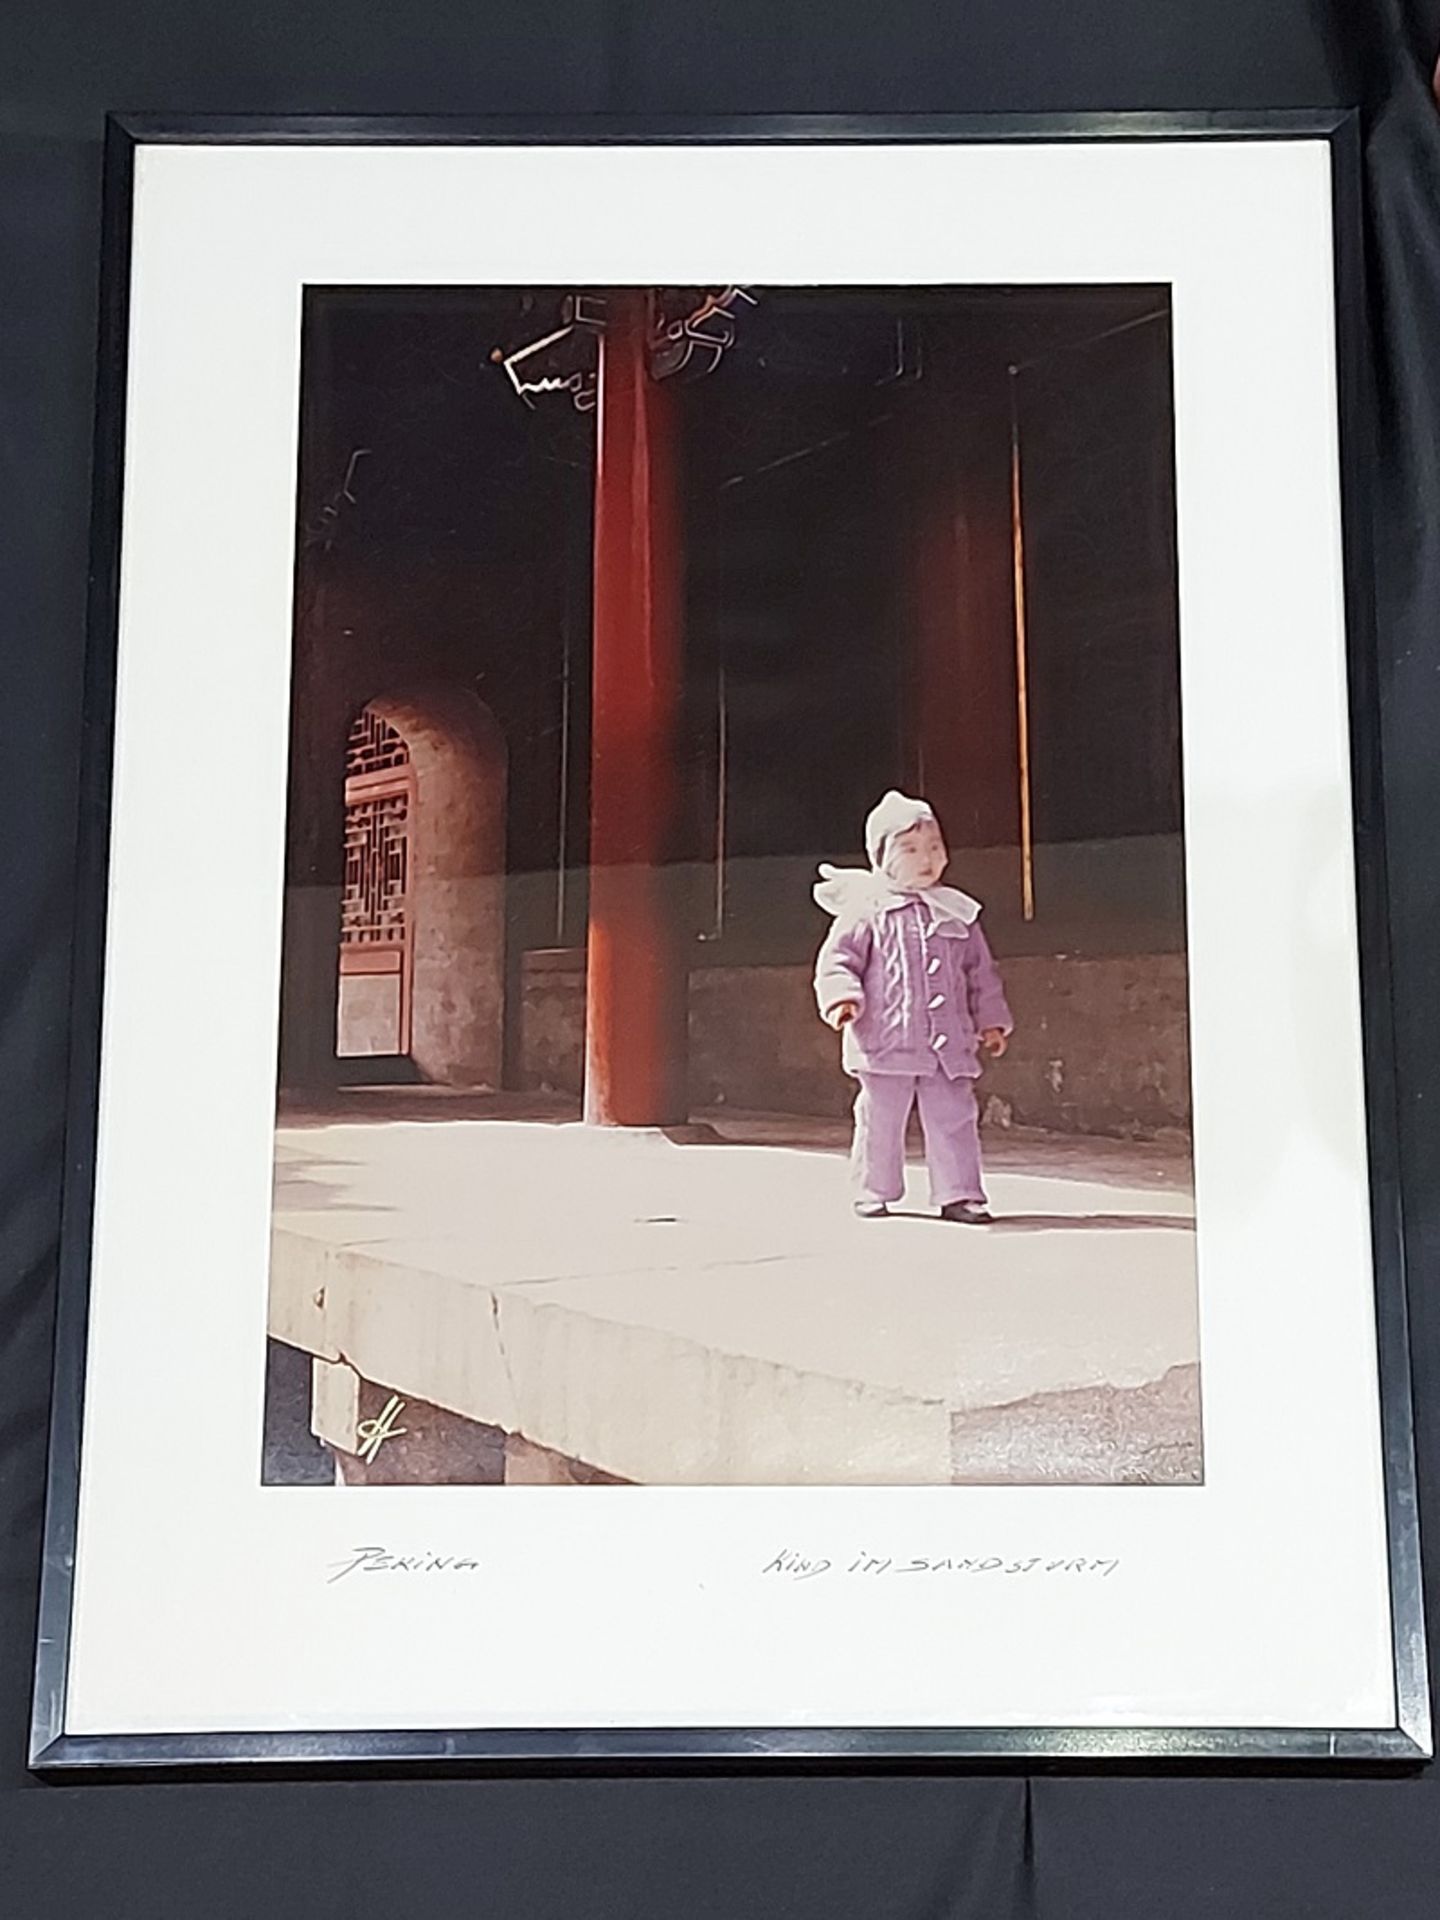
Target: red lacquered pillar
(636, 971)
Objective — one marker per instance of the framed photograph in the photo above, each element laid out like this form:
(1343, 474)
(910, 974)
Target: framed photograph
(732, 1077)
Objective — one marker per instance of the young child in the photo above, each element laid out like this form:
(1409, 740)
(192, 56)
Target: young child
(907, 977)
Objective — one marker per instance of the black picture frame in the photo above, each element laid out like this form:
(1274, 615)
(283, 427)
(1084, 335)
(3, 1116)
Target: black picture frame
(1408, 1741)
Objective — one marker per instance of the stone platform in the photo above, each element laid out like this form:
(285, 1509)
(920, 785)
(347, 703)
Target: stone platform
(706, 1310)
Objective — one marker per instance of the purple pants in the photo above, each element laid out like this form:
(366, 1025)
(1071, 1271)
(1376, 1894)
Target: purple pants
(950, 1120)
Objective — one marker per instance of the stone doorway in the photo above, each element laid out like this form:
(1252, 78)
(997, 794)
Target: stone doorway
(421, 965)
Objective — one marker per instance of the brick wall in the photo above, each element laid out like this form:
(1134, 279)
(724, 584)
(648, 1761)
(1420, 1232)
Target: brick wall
(1101, 1045)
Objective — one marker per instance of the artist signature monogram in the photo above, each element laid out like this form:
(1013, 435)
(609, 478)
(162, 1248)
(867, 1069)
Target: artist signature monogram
(374, 1433)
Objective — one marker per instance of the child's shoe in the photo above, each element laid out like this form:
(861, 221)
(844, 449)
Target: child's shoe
(871, 1210)
(967, 1213)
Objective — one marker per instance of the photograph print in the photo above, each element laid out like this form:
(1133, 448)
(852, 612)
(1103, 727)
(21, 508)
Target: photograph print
(733, 1020)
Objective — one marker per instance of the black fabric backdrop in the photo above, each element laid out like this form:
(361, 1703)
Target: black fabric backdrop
(920, 1848)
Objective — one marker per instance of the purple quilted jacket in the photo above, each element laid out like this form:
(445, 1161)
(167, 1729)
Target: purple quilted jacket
(928, 987)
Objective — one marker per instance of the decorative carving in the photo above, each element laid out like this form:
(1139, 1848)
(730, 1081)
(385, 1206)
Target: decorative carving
(693, 328)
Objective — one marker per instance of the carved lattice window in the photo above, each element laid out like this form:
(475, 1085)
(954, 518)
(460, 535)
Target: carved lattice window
(377, 827)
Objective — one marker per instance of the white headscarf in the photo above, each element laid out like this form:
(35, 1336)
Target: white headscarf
(896, 813)
(853, 892)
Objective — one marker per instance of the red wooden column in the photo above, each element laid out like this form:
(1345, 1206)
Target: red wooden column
(964, 696)
(636, 972)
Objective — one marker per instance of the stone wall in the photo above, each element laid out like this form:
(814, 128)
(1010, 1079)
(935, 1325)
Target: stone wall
(1101, 1045)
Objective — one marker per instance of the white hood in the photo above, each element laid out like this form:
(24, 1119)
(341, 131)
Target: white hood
(852, 894)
